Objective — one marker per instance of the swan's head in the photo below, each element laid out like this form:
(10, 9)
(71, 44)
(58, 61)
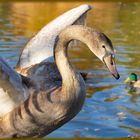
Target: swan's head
(103, 49)
(97, 42)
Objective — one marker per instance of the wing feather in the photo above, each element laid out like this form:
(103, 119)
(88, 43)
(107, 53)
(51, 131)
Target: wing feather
(40, 47)
(12, 91)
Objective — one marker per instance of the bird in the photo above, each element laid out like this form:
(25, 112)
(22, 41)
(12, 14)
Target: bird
(133, 84)
(133, 80)
(44, 91)
(38, 49)
(58, 98)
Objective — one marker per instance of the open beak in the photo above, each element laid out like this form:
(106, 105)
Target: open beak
(110, 63)
(127, 80)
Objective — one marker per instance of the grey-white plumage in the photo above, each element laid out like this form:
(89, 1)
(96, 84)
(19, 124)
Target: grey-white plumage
(12, 90)
(38, 49)
(50, 107)
(56, 90)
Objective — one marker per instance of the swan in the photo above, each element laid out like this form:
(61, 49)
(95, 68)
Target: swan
(38, 49)
(62, 97)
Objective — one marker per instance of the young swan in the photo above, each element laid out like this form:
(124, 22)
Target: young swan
(38, 49)
(46, 110)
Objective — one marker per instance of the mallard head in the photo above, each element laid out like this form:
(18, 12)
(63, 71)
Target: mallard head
(132, 78)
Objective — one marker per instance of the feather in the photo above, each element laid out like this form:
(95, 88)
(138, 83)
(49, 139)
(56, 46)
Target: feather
(12, 91)
(40, 47)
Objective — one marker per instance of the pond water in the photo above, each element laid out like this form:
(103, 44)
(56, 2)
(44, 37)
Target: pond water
(108, 110)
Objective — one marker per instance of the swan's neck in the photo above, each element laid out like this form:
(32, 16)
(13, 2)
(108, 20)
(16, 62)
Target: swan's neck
(72, 83)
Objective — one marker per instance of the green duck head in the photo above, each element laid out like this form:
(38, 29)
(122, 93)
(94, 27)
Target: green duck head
(132, 78)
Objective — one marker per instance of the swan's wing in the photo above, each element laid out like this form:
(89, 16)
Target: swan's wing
(11, 88)
(40, 47)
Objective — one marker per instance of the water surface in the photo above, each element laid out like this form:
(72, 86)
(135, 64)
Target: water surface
(100, 116)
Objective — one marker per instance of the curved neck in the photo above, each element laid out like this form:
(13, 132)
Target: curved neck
(71, 81)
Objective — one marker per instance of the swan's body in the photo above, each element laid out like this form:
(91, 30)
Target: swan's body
(51, 92)
(38, 50)
(50, 107)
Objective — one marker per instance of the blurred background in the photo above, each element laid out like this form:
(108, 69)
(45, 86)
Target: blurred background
(108, 110)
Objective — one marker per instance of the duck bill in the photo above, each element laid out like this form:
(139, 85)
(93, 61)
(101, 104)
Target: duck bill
(110, 63)
(127, 80)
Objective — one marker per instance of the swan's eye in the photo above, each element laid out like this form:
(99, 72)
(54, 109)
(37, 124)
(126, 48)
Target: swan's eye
(103, 46)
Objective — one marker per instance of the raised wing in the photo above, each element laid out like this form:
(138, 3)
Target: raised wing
(12, 91)
(40, 47)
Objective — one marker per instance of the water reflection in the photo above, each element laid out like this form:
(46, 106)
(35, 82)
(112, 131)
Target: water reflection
(99, 117)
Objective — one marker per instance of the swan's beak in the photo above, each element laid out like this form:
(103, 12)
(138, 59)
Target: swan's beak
(109, 61)
(127, 80)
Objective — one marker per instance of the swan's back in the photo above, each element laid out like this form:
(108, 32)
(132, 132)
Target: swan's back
(44, 76)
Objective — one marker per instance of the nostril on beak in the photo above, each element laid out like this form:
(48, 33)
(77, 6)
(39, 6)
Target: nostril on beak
(111, 63)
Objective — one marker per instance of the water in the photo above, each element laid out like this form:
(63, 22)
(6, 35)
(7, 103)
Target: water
(108, 110)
